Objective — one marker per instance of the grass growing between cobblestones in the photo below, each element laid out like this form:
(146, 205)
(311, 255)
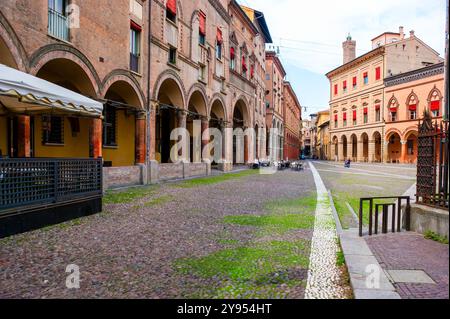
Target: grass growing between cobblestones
(285, 215)
(215, 179)
(128, 195)
(159, 201)
(260, 269)
(255, 271)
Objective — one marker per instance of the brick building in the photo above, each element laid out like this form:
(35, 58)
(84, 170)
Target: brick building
(358, 104)
(275, 75)
(97, 59)
(155, 66)
(292, 116)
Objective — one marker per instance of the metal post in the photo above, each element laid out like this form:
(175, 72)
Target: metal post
(360, 218)
(446, 101)
(408, 215)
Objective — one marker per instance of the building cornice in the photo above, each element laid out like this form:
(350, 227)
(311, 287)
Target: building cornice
(221, 10)
(369, 55)
(415, 75)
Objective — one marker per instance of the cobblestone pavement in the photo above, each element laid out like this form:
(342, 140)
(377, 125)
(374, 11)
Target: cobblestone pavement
(411, 251)
(324, 276)
(128, 251)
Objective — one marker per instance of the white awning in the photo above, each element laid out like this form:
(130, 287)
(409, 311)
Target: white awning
(26, 94)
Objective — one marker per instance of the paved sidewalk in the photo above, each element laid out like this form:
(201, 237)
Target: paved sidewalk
(323, 274)
(411, 251)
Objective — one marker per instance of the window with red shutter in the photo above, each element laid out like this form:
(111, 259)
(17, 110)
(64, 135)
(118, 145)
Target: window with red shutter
(355, 82)
(335, 89)
(202, 18)
(171, 10)
(378, 73)
(354, 116)
(435, 105)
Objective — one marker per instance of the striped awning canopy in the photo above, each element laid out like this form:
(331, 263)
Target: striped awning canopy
(23, 93)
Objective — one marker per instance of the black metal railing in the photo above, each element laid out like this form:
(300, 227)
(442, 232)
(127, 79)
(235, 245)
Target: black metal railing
(134, 62)
(432, 163)
(391, 212)
(31, 182)
(58, 25)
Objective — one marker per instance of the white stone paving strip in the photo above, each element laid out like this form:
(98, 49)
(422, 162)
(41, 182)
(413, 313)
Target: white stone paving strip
(323, 274)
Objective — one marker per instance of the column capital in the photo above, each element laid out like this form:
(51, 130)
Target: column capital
(404, 142)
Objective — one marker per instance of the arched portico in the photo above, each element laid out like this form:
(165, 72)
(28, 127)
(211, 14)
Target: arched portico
(170, 114)
(123, 115)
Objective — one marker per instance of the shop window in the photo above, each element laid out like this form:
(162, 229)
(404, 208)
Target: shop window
(109, 125)
(52, 129)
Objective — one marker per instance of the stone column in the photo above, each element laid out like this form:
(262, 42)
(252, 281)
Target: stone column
(333, 152)
(181, 123)
(341, 152)
(228, 135)
(23, 136)
(140, 139)
(404, 152)
(372, 155)
(360, 151)
(95, 137)
(205, 138)
(350, 151)
(154, 107)
(385, 151)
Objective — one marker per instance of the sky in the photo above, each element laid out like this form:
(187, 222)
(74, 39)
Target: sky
(310, 33)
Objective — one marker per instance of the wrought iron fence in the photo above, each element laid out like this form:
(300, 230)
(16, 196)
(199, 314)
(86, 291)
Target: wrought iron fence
(432, 163)
(390, 209)
(58, 25)
(30, 182)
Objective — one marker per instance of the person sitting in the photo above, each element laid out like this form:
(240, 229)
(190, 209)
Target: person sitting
(347, 163)
(256, 164)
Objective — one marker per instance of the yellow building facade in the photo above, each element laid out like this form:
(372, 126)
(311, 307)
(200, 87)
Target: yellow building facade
(358, 105)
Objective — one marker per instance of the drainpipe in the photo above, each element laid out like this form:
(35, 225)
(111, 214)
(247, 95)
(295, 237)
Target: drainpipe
(149, 110)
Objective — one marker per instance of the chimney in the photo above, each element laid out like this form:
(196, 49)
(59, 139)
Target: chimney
(411, 34)
(349, 47)
(402, 32)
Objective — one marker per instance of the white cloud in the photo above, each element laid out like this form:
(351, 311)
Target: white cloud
(327, 22)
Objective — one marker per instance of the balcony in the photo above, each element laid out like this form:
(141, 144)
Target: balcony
(58, 25)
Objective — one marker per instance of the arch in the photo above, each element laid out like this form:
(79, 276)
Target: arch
(393, 102)
(124, 76)
(364, 139)
(377, 140)
(124, 91)
(217, 97)
(435, 94)
(412, 100)
(68, 74)
(170, 76)
(121, 113)
(198, 93)
(63, 51)
(410, 131)
(344, 142)
(170, 97)
(393, 131)
(394, 147)
(11, 48)
(242, 105)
